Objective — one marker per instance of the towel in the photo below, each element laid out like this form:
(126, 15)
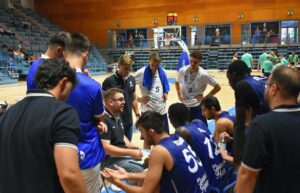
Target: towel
(148, 78)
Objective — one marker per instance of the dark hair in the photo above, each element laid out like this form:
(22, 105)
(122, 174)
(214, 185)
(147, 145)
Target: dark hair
(51, 71)
(152, 120)
(210, 102)
(197, 54)
(238, 68)
(155, 56)
(78, 43)
(288, 81)
(60, 38)
(179, 114)
(112, 92)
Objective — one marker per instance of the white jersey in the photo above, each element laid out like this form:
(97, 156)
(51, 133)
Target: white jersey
(156, 102)
(193, 85)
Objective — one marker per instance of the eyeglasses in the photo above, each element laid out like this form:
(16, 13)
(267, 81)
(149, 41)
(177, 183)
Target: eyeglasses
(121, 99)
(266, 85)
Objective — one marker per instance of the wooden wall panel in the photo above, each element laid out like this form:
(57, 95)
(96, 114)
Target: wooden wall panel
(95, 17)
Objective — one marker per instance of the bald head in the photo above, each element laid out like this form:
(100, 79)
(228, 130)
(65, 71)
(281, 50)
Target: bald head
(288, 81)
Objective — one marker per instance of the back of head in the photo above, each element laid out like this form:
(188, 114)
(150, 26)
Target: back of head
(288, 81)
(51, 71)
(125, 59)
(152, 120)
(155, 56)
(210, 102)
(197, 54)
(238, 68)
(179, 114)
(78, 43)
(60, 38)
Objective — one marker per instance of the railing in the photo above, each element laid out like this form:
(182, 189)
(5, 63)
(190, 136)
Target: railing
(226, 40)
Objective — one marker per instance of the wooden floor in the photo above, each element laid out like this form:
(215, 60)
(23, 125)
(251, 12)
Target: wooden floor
(15, 92)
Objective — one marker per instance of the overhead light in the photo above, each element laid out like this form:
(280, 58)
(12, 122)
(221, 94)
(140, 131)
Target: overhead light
(240, 15)
(195, 18)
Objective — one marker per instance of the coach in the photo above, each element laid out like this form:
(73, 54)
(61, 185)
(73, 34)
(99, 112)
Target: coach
(271, 158)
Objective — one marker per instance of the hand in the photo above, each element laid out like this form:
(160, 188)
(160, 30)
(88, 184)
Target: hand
(102, 128)
(109, 176)
(181, 98)
(137, 116)
(199, 97)
(136, 154)
(119, 172)
(144, 99)
(226, 137)
(165, 96)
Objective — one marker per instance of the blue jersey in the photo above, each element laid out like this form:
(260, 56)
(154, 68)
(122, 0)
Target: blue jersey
(257, 83)
(86, 98)
(31, 73)
(226, 115)
(188, 174)
(208, 152)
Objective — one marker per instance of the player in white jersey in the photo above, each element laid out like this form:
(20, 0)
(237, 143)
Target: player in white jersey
(154, 85)
(191, 83)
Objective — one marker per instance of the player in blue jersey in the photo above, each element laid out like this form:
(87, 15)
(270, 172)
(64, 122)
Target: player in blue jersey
(86, 99)
(55, 50)
(197, 134)
(211, 109)
(249, 102)
(173, 166)
(224, 122)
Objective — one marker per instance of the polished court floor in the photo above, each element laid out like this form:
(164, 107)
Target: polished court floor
(14, 92)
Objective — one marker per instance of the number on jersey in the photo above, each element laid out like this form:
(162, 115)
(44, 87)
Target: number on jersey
(190, 157)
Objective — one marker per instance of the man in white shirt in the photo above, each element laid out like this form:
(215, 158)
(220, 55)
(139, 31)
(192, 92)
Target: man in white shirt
(154, 85)
(191, 83)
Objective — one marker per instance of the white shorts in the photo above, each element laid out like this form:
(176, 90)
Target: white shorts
(92, 179)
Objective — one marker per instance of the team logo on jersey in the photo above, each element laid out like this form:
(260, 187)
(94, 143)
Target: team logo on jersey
(130, 84)
(81, 155)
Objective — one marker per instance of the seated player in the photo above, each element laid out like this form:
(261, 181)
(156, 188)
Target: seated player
(173, 165)
(211, 109)
(119, 149)
(196, 133)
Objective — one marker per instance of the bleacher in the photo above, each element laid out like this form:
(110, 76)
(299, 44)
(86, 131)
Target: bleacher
(213, 57)
(32, 32)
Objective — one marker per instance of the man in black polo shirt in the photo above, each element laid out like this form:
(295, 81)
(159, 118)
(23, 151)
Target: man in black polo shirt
(271, 157)
(249, 102)
(38, 137)
(119, 149)
(123, 80)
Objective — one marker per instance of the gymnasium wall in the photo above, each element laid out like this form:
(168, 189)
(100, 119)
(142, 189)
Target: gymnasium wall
(96, 17)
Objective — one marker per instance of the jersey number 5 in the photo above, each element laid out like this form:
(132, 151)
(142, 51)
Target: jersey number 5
(190, 156)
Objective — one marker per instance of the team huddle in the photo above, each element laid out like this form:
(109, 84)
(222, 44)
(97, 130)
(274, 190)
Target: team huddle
(70, 133)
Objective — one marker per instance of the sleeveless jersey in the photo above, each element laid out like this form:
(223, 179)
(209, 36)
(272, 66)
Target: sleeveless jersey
(208, 152)
(257, 83)
(226, 115)
(188, 174)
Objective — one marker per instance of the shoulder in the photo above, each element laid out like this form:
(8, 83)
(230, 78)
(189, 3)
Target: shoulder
(90, 83)
(242, 87)
(184, 69)
(202, 72)
(139, 72)
(223, 122)
(108, 82)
